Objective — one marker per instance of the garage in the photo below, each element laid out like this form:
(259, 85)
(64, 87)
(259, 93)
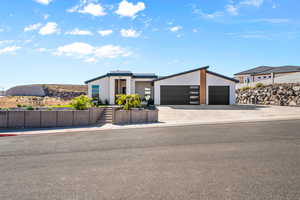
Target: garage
(194, 87)
(218, 95)
(179, 95)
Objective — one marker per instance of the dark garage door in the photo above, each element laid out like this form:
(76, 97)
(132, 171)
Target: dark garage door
(179, 95)
(218, 95)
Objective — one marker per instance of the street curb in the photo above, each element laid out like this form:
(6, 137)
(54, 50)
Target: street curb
(8, 135)
(142, 126)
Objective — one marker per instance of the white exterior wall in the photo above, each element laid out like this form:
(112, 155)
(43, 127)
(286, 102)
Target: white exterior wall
(212, 80)
(192, 78)
(104, 88)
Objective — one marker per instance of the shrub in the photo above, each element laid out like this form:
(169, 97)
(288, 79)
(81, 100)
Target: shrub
(258, 85)
(128, 101)
(81, 103)
(150, 102)
(106, 102)
(97, 102)
(19, 105)
(29, 108)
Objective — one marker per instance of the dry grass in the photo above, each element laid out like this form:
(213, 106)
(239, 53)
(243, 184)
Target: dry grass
(13, 101)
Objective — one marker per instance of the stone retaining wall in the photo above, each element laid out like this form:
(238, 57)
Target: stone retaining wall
(135, 116)
(276, 94)
(48, 119)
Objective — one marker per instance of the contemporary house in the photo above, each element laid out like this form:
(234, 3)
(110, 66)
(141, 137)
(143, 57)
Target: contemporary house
(262, 73)
(194, 87)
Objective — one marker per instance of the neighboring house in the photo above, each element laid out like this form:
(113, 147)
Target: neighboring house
(197, 86)
(265, 73)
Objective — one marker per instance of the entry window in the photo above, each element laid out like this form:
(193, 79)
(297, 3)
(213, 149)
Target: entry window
(95, 91)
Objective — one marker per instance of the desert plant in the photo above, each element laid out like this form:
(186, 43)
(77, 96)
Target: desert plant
(128, 101)
(81, 103)
(259, 85)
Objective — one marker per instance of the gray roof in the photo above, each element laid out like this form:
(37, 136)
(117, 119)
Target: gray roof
(124, 73)
(255, 70)
(269, 70)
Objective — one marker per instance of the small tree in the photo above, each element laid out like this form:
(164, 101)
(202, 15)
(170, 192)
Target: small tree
(81, 103)
(128, 101)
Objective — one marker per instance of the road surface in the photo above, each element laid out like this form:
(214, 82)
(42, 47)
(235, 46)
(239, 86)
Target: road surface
(225, 161)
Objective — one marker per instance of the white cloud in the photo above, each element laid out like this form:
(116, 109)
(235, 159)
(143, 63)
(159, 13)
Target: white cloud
(45, 2)
(127, 9)
(49, 28)
(46, 16)
(105, 32)
(10, 49)
(175, 28)
(77, 31)
(76, 48)
(32, 27)
(87, 51)
(232, 10)
(91, 60)
(110, 51)
(88, 7)
(256, 3)
(42, 50)
(129, 33)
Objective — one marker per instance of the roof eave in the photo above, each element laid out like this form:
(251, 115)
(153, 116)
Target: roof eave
(178, 74)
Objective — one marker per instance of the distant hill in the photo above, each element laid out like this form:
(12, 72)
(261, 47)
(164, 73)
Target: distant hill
(49, 90)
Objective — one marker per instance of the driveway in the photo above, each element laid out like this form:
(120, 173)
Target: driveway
(168, 163)
(232, 113)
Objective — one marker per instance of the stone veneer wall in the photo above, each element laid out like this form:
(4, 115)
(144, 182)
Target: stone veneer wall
(48, 119)
(276, 94)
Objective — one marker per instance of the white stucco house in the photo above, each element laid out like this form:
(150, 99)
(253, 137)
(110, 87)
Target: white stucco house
(197, 86)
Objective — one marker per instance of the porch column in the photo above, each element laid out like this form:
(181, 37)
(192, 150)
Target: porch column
(128, 85)
(202, 93)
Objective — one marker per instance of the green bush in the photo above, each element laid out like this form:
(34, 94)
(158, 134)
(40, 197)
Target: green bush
(29, 108)
(81, 103)
(258, 85)
(128, 101)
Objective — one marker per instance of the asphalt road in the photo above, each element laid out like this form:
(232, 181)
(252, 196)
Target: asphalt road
(230, 161)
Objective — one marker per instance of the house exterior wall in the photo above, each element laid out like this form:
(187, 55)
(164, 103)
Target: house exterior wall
(103, 87)
(192, 78)
(212, 80)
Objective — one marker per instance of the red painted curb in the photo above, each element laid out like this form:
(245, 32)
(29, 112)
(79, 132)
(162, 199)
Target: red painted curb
(7, 135)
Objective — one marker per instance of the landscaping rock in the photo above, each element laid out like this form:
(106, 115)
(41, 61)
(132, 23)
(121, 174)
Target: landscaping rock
(276, 94)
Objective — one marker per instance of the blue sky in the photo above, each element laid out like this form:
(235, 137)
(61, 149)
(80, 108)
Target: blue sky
(70, 41)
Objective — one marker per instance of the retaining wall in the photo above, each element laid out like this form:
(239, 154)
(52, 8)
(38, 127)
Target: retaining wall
(135, 116)
(47, 119)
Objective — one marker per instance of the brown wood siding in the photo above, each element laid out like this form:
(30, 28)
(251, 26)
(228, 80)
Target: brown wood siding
(202, 86)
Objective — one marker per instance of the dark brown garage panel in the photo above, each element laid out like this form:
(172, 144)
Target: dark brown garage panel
(218, 95)
(179, 95)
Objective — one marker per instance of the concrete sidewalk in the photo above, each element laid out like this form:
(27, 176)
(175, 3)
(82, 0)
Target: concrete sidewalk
(189, 115)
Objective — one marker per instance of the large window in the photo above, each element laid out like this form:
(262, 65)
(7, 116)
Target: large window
(95, 91)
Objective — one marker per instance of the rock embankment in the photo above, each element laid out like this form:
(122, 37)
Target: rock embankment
(276, 94)
(48, 90)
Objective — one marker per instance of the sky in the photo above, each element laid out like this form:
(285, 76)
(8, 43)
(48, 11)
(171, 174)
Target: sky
(71, 41)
